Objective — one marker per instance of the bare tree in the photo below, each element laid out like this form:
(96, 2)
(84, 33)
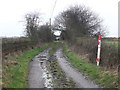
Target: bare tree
(79, 21)
(32, 24)
(36, 32)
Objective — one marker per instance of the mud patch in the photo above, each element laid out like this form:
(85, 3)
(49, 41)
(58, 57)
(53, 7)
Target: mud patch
(59, 77)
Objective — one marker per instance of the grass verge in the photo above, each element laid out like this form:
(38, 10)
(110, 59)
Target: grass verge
(16, 72)
(56, 46)
(101, 76)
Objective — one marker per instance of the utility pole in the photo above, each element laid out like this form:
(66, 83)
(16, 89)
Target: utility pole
(50, 23)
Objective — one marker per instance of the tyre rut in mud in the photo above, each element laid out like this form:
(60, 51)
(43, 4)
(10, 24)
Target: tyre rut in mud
(59, 77)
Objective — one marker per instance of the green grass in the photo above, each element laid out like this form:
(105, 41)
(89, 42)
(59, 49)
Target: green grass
(16, 76)
(114, 43)
(96, 73)
(55, 47)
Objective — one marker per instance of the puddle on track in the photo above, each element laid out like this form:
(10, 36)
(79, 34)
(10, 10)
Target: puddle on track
(47, 77)
(39, 76)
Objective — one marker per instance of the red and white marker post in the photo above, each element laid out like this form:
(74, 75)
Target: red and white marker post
(99, 46)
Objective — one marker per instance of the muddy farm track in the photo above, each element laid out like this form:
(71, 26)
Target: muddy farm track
(56, 72)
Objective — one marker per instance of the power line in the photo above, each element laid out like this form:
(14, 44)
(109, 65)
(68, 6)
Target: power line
(53, 8)
(52, 12)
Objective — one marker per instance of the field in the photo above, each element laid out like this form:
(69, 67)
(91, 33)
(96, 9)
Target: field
(11, 46)
(114, 43)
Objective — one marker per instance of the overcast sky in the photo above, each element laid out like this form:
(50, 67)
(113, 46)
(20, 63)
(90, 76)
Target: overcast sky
(12, 13)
